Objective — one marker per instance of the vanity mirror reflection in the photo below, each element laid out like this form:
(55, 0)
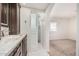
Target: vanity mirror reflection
(4, 14)
(4, 19)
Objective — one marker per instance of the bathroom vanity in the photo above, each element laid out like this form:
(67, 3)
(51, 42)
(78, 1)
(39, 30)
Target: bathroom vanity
(12, 42)
(13, 45)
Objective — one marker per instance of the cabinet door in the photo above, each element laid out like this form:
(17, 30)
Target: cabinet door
(14, 18)
(24, 46)
(17, 51)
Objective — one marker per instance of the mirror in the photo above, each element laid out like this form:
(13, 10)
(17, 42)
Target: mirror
(4, 19)
(4, 14)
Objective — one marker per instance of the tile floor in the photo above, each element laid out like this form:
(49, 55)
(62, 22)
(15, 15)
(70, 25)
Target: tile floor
(39, 51)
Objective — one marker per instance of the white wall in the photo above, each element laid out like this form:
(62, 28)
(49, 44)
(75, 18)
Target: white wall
(24, 16)
(25, 27)
(45, 35)
(72, 28)
(44, 23)
(66, 29)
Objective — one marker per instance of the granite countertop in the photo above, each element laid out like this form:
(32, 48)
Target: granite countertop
(9, 43)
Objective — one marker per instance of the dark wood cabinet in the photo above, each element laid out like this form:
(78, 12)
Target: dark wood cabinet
(14, 18)
(24, 46)
(21, 48)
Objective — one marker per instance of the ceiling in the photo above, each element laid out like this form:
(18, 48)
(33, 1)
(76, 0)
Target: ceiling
(58, 10)
(64, 10)
(39, 6)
